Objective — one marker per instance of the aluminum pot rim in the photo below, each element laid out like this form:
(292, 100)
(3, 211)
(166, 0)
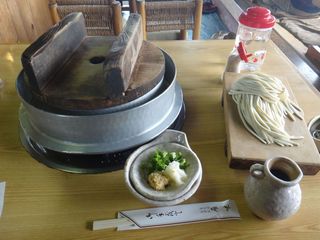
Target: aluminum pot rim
(99, 148)
(26, 97)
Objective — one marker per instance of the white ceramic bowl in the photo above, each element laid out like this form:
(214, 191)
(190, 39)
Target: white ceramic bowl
(136, 178)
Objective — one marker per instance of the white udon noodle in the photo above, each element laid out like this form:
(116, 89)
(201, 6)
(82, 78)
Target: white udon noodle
(263, 104)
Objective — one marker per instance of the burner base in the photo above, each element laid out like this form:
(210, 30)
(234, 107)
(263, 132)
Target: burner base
(85, 163)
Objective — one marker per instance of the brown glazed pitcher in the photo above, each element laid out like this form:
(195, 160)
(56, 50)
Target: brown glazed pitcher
(272, 190)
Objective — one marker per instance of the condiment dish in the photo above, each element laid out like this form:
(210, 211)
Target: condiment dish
(136, 175)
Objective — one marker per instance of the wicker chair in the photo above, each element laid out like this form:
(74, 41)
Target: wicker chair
(166, 15)
(102, 17)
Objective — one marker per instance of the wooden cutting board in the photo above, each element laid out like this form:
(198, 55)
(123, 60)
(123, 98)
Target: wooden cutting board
(243, 149)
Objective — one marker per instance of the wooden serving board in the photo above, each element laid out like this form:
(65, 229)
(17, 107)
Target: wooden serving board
(243, 149)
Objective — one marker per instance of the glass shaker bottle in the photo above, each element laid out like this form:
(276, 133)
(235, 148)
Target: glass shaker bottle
(255, 27)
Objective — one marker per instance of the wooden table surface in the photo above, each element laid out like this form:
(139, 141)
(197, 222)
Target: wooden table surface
(44, 203)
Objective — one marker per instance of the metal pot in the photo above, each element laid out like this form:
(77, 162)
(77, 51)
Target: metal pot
(103, 131)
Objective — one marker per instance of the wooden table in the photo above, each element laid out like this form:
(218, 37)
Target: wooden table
(43, 203)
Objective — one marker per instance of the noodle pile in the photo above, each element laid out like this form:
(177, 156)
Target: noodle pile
(263, 104)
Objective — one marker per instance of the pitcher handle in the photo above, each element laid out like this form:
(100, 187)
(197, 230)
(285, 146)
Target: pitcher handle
(257, 171)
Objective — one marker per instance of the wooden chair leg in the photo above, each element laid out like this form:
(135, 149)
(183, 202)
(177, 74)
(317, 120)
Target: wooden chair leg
(117, 18)
(142, 11)
(197, 20)
(53, 11)
(133, 6)
(183, 34)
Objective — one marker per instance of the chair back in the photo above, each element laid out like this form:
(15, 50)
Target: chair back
(102, 17)
(165, 15)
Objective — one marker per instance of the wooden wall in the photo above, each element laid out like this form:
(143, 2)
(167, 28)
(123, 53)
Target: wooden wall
(22, 21)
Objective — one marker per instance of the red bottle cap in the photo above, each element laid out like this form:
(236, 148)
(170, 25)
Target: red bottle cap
(257, 17)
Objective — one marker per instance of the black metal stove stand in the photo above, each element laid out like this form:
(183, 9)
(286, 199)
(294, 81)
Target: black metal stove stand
(85, 163)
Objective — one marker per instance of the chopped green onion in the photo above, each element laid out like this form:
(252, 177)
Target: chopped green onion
(161, 159)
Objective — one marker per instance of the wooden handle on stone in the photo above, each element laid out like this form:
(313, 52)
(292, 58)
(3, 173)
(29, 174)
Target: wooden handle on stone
(122, 57)
(44, 57)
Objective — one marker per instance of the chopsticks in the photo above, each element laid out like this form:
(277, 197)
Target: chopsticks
(110, 223)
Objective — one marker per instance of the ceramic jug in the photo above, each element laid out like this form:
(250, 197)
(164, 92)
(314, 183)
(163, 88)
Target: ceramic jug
(272, 190)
